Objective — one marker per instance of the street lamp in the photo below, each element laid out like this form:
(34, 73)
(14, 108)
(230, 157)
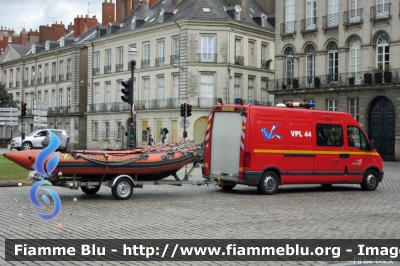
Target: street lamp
(133, 54)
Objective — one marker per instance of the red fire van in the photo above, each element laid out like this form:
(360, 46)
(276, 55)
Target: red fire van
(272, 146)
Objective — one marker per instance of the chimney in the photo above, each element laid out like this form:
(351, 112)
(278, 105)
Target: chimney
(136, 4)
(82, 24)
(174, 3)
(24, 37)
(58, 31)
(128, 10)
(119, 11)
(45, 34)
(70, 27)
(108, 12)
(33, 37)
(152, 3)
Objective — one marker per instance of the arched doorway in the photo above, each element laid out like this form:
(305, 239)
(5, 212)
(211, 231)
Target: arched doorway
(382, 118)
(199, 129)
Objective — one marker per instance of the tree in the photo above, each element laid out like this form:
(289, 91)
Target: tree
(6, 99)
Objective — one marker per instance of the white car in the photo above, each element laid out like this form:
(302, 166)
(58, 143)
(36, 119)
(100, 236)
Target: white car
(33, 140)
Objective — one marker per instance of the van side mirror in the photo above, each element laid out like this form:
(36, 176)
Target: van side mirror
(371, 145)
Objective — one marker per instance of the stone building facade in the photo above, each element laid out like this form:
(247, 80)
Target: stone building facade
(341, 55)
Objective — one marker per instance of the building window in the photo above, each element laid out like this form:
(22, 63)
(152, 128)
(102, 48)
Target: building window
(175, 84)
(67, 129)
(329, 135)
(53, 98)
(161, 92)
(97, 63)
(382, 52)
(333, 13)
(146, 84)
(69, 97)
(331, 104)
(146, 55)
(289, 66)
(206, 90)
(107, 130)
(310, 63)
(354, 108)
(97, 96)
(176, 53)
(333, 63)
(119, 131)
(264, 91)
(311, 14)
(238, 52)
(108, 96)
(355, 60)
(39, 96)
(120, 57)
(61, 98)
(207, 49)
(250, 96)
(46, 96)
(237, 87)
(161, 49)
(289, 16)
(238, 12)
(108, 61)
(95, 130)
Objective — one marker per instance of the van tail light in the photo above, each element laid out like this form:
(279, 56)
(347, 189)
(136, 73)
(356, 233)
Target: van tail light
(246, 159)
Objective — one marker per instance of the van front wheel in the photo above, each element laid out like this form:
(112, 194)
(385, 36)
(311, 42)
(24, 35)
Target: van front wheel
(370, 181)
(269, 183)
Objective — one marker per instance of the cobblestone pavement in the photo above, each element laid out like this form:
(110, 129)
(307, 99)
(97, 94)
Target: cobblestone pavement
(204, 212)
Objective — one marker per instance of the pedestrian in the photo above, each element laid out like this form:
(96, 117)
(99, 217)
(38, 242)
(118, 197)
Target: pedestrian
(151, 140)
(163, 135)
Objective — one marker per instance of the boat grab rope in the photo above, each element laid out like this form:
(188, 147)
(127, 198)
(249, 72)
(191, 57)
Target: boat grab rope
(184, 147)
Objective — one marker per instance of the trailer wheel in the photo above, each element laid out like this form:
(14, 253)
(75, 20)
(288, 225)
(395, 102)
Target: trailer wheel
(370, 181)
(229, 186)
(90, 191)
(122, 189)
(269, 183)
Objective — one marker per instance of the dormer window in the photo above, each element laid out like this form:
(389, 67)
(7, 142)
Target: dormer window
(33, 49)
(109, 29)
(238, 12)
(263, 20)
(133, 24)
(62, 42)
(161, 16)
(47, 46)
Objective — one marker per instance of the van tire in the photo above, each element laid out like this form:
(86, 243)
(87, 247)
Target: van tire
(326, 185)
(269, 183)
(370, 181)
(227, 186)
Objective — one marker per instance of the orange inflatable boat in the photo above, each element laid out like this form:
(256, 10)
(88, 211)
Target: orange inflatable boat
(145, 164)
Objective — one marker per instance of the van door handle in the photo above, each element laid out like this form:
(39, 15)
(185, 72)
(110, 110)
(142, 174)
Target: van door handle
(344, 155)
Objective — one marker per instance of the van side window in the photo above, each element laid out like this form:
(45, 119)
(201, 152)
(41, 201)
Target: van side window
(356, 136)
(329, 135)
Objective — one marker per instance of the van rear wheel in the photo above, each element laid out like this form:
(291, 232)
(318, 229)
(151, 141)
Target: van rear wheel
(370, 181)
(269, 183)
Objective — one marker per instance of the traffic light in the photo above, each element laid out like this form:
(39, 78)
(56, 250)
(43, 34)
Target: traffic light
(189, 110)
(23, 109)
(183, 110)
(127, 92)
(184, 134)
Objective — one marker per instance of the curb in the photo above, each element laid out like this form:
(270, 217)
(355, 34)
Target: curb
(14, 184)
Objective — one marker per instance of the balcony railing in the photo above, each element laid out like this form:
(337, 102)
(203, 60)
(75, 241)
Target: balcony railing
(69, 76)
(208, 57)
(330, 22)
(175, 59)
(59, 110)
(362, 78)
(109, 107)
(265, 64)
(96, 71)
(352, 17)
(46, 79)
(239, 60)
(61, 77)
(143, 105)
(39, 80)
(146, 63)
(33, 81)
(119, 67)
(107, 69)
(309, 25)
(380, 12)
(158, 104)
(10, 84)
(173, 103)
(17, 84)
(203, 102)
(288, 28)
(53, 78)
(159, 61)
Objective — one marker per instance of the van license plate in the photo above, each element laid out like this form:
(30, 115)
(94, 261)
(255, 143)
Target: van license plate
(228, 108)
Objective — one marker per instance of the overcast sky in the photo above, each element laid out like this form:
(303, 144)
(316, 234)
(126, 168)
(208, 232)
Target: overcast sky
(17, 14)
